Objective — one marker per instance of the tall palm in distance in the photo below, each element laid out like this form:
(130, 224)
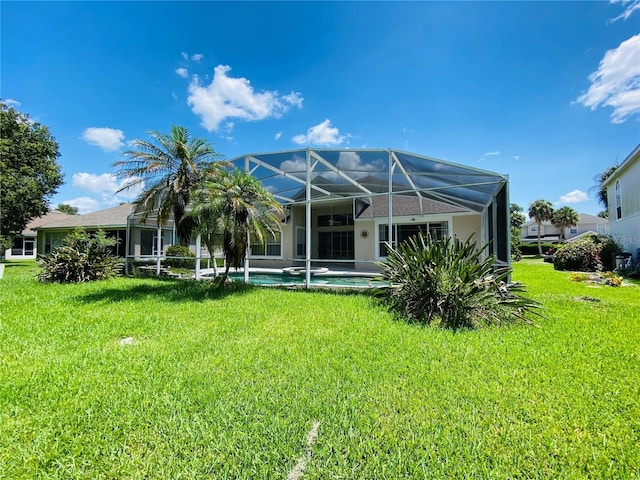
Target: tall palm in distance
(231, 209)
(169, 166)
(565, 217)
(540, 211)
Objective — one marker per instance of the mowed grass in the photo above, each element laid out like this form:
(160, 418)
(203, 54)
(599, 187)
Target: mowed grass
(226, 384)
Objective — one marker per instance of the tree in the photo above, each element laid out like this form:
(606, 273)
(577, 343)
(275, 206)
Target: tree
(230, 209)
(30, 173)
(168, 167)
(68, 209)
(564, 217)
(540, 211)
(601, 191)
(516, 219)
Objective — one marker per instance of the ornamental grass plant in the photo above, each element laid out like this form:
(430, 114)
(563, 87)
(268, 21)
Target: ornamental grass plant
(448, 283)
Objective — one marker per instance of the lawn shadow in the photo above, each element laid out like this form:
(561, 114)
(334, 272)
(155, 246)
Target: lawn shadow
(168, 290)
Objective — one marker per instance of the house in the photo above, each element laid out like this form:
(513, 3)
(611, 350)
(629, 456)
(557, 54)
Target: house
(549, 233)
(136, 238)
(24, 244)
(338, 207)
(623, 193)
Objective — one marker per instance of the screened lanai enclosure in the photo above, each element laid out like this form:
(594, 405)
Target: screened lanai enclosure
(340, 203)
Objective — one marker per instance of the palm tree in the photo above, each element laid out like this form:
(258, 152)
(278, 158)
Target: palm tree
(168, 167)
(540, 211)
(601, 189)
(564, 217)
(230, 210)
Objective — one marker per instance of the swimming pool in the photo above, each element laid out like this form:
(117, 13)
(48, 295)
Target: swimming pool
(327, 280)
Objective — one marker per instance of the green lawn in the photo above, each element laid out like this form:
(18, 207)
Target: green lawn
(228, 384)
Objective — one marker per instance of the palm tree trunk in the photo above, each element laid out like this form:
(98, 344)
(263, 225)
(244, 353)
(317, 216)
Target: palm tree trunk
(539, 244)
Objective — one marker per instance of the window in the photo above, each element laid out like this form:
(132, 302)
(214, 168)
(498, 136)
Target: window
(149, 242)
(335, 220)
(271, 248)
(301, 242)
(52, 240)
(618, 200)
(573, 230)
(402, 233)
(533, 228)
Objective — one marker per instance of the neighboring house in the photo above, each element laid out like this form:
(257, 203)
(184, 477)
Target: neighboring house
(24, 244)
(623, 194)
(587, 224)
(338, 205)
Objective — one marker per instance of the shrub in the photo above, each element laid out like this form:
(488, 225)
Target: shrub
(180, 251)
(532, 248)
(609, 248)
(447, 283)
(81, 258)
(582, 255)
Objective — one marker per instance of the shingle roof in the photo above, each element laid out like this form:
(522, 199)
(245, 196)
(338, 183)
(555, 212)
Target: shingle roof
(47, 218)
(407, 205)
(110, 217)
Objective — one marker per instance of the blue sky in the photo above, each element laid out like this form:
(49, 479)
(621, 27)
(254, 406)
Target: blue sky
(546, 92)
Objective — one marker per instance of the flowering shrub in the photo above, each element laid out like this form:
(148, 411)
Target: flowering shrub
(582, 255)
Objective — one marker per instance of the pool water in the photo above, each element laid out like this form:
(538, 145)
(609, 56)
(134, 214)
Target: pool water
(337, 280)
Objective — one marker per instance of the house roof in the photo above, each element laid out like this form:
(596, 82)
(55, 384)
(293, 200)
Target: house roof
(582, 218)
(359, 173)
(634, 156)
(407, 205)
(110, 217)
(49, 217)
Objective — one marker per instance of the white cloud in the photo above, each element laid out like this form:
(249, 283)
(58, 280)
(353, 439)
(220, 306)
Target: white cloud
(575, 196)
(185, 55)
(321, 134)
(196, 57)
(297, 164)
(228, 97)
(616, 83)
(278, 135)
(10, 102)
(634, 5)
(84, 204)
(516, 157)
(106, 184)
(355, 167)
(108, 139)
(183, 72)
(495, 153)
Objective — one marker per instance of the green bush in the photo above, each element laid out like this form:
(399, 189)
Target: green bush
(448, 283)
(81, 258)
(582, 255)
(532, 248)
(609, 248)
(180, 251)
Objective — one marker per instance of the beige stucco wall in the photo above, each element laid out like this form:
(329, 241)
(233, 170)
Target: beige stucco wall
(464, 226)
